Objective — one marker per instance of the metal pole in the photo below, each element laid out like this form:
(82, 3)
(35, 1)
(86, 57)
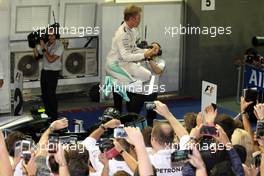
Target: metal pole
(238, 84)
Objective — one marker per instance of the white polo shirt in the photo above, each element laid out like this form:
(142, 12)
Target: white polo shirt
(94, 152)
(115, 166)
(161, 160)
(54, 49)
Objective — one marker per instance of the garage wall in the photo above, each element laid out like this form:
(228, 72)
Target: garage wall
(212, 59)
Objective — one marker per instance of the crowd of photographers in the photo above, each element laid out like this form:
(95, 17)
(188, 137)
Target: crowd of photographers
(206, 144)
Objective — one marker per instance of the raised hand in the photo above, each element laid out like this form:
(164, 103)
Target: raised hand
(222, 137)
(196, 160)
(259, 111)
(209, 114)
(112, 123)
(134, 136)
(244, 104)
(162, 109)
(59, 124)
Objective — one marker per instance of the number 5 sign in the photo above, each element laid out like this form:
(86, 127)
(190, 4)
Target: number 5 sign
(208, 4)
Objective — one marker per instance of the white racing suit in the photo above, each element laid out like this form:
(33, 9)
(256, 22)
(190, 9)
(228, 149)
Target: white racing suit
(122, 62)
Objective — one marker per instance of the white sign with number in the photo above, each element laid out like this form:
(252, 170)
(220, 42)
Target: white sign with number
(208, 4)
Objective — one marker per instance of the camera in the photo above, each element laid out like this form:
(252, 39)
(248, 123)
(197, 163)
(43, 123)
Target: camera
(149, 105)
(119, 132)
(260, 128)
(256, 159)
(42, 34)
(208, 130)
(258, 40)
(21, 146)
(252, 56)
(180, 155)
(53, 142)
(144, 45)
(251, 94)
(112, 153)
(26, 155)
(109, 114)
(72, 139)
(22, 149)
(105, 144)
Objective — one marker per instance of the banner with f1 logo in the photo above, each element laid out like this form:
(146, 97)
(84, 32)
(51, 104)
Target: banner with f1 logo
(209, 94)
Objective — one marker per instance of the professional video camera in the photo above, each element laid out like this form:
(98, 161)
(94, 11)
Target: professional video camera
(144, 44)
(258, 41)
(253, 57)
(105, 144)
(109, 114)
(42, 34)
(35, 36)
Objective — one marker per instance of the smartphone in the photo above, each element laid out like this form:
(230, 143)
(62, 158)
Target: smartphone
(256, 159)
(26, 155)
(251, 94)
(180, 155)
(73, 139)
(111, 153)
(207, 130)
(64, 139)
(17, 152)
(260, 128)
(53, 142)
(22, 146)
(149, 105)
(119, 132)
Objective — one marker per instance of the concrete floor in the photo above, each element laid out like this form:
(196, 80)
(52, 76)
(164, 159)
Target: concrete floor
(76, 101)
(67, 102)
(230, 104)
(82, 100)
